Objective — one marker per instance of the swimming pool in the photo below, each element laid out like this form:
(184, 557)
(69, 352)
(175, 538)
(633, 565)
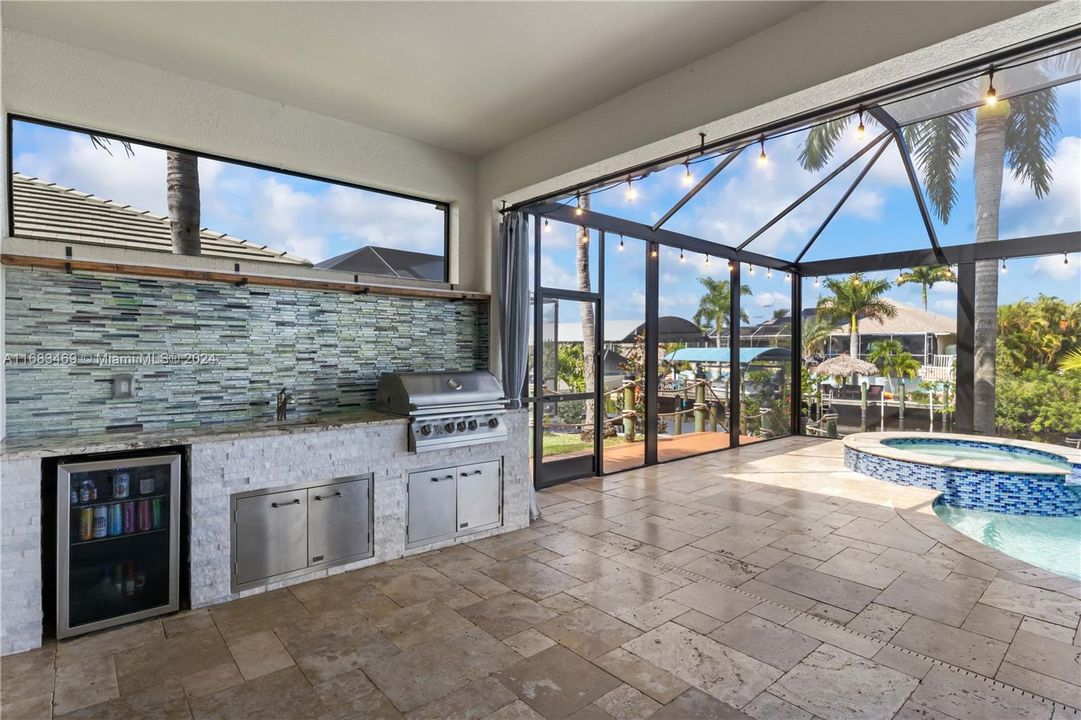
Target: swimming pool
(977, 450)
(1052, 543)
(1010, 477)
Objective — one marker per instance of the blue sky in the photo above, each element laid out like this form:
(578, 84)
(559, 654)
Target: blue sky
(318, 220)
(881, 216)
(315, 220)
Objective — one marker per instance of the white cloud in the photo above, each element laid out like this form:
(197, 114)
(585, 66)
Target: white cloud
(1053, 266)
(945, 306)
(1060, 211)
(770, 299)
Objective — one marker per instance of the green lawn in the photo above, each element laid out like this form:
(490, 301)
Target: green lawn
(565, 443)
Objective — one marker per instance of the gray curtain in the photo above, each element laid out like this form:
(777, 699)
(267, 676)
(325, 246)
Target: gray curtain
(514, 313)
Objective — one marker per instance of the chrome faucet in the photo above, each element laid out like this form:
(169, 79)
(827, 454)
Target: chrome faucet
(283, 403)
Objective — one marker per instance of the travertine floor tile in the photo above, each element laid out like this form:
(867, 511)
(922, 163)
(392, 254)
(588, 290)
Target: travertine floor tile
(616, 593)
(626, 703)
(969, 697)
(557, 682)
(420, 623)
(948, 601)
(259, 654)
(633, 670)
(1035, 602)
(83, 683)
(696, 704)
(724, 673)
(475, 700)
(713, 600)
(533, 579)
(962, 648)
(836, 685)
(285, 693)
(588, 631)
(766, 641)
(529, 642)
(507, 614)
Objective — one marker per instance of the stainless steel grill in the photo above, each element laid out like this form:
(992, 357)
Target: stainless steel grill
(445, 409)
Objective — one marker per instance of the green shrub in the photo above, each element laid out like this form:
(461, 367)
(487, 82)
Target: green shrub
(1038, 404)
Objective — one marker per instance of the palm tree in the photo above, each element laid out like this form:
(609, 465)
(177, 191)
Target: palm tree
(1018, 132)
(926, 277)
(853, 297)
(585, 310)
(893, 360)
(815, 330)
(182, 195)
(714, 306)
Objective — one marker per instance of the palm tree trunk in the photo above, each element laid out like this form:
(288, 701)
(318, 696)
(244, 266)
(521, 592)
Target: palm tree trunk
(182, 185)
(720, 325)
(854, 336)
(990, 152)
(589, 335)
(923, 286)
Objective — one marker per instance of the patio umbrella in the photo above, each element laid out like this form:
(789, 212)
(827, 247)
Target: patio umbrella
(844, 365)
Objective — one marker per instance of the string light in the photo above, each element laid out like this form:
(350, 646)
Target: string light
(681, 258)
(769, 273)
(707, 260)
(1003, 265)
(900, 275)
(653, 250)
(816, 282)
(861, 131)
(584, 235)
(630, 191)
(621, 243)
(762, 153)
(1065, 258)
(688, 178)
(787, 277)
(856, 280)
(992, 95)
(547, 226)
(731, 266)
(750, 269)
(578, 210)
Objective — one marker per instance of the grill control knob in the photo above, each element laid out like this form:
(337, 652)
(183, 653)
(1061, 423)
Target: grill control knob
(493, 422)
(472, 424)
(461, 426)
(426, 430)
(449, 427)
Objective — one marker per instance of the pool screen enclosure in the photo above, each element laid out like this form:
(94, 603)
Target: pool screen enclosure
(814, 196)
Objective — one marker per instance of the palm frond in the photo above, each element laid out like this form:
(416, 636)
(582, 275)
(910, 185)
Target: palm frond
(1031, 129)
(820, 143)
(936, 146)
(103, 143)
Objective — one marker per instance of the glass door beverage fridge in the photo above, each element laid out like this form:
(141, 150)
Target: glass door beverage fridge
(117, 542)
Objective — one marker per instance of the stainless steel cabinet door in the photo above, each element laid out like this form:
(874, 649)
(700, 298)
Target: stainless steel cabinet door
(479, 501)
(271, 534)
(432, 499)
(338, 521)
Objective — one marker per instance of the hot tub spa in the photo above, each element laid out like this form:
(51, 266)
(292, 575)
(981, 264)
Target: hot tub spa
(1012, 477)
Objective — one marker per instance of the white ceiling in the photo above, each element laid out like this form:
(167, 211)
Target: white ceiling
(467, 76)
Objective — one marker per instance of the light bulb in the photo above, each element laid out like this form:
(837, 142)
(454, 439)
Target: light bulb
(1003, 265)
(787, 277)
(653, 251)
(681, 258)
(621, 243)
(1065, 259)
(731, 266)
(630, 191)
(992, 95)
(769, 273)
(688, 178)
(856, 281)
(707, 260)
(547, 227)
(762, 153)
(750, 269)
(584, 235)
(861, 131)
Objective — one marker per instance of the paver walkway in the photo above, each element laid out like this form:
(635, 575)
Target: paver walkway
(765, 582)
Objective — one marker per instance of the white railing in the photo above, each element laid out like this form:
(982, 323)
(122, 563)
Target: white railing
(939, 369)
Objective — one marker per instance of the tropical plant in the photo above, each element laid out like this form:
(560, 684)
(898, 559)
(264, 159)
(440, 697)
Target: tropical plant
(714, 307)
(926, 276)
(893, 360)
(814, 331)
(1039, 404)
(1037, 334)
(854, 297)
(570, 368)
(1018, 132)
(1071, 361)
(182, 195)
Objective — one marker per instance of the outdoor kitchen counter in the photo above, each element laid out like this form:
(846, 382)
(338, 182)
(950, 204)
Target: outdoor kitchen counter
(55, 445)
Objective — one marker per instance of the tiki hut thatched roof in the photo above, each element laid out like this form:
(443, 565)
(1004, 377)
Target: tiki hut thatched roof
(844, 365)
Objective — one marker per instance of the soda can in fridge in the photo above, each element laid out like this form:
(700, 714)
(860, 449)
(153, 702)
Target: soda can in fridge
(129, 517)
(155, 513)
(86, 524)
(142, 514)
(116, 520)
(101, 521)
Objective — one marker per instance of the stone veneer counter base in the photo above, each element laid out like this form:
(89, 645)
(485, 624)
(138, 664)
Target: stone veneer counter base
(220, 464)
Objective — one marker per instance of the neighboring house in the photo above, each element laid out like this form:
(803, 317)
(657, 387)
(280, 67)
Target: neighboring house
(922, 333)
(47, 211)
(388, 261)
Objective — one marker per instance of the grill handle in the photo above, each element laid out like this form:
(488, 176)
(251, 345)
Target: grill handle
(294, 501)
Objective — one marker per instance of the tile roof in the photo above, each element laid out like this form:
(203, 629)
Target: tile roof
(47, 211)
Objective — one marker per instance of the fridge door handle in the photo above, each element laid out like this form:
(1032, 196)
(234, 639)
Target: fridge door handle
(327, 497)
(295, 501)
